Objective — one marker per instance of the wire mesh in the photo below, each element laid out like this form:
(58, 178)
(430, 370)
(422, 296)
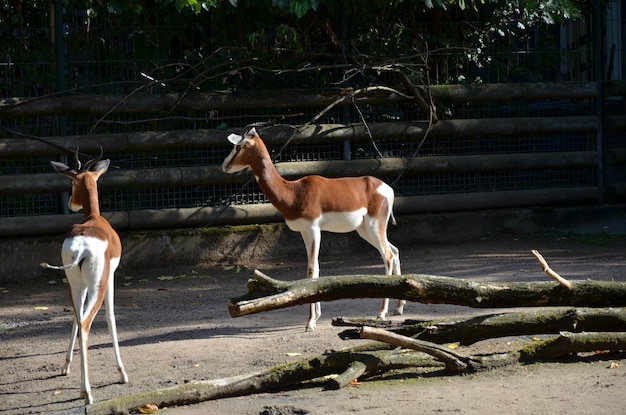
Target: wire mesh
(120, 60)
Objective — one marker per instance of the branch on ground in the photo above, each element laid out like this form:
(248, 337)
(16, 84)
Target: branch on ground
(339, 369)
(348, 364)
(265, 293)
(483, 327)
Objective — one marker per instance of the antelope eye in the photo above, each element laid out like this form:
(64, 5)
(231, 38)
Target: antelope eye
(238, 147)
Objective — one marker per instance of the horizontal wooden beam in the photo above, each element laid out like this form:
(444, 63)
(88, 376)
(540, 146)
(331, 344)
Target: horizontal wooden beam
(316, 133)
(385, 167)
(266, 213)
(150, 103)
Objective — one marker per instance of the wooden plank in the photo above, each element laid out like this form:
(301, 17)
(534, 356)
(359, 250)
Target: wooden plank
(124, 104)
(386, 167)
(266, 213)
(316, 133)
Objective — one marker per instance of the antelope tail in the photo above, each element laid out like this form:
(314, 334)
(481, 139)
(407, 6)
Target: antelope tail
(46, 265)
(77, 259)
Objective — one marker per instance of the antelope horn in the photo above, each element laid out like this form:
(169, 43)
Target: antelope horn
(77, 160)
(94, 161)
(260, 124)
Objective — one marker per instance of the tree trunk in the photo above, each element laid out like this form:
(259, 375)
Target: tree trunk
(475, 329)
(354, 363)
(346, 363)
(571, 343)
(265, 293)
(554, 348)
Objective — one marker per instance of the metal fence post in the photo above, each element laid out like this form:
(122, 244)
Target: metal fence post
(60, 48)
(599, 76)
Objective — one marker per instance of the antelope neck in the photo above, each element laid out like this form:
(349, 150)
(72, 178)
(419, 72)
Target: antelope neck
(274, 186)
(92, 207)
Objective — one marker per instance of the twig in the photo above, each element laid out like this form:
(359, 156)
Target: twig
(353, 372)
(546, 268)
(198, 119)
(40, 139)
(348, 93)
(419, 100)
(367, 127)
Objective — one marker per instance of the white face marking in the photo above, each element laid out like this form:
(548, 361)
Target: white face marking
(227, 167)
(232, 168)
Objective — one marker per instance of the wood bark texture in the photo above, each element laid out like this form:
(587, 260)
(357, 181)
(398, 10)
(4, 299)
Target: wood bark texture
(265, 293)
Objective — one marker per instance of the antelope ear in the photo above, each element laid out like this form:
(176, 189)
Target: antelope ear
(101, 167)
(235, 139)
(62, 168)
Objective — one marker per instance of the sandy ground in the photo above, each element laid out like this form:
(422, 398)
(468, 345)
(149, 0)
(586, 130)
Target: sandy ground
(174, 327)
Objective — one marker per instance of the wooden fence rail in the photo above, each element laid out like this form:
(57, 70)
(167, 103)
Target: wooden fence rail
(266, 213)
(101, 104)
(317, 133)
(211, 175)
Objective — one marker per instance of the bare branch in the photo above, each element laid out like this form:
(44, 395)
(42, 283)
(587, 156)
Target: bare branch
(417, 97)
(546, 268)
(426, 289)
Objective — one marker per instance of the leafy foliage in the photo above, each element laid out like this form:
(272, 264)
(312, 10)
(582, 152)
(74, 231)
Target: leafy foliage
(231, 44)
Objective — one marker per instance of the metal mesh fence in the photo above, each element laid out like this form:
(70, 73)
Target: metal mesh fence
(111, 59)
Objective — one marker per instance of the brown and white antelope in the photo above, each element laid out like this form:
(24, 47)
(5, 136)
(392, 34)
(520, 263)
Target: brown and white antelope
(313, 204)
(91, 253)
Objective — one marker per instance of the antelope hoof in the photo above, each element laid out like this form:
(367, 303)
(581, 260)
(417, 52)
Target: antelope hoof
(310, 326)
(123, 376)
(381, 316)
(87, 396)
(399, 308)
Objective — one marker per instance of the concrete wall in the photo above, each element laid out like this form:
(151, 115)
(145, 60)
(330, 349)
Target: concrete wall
(20, 257)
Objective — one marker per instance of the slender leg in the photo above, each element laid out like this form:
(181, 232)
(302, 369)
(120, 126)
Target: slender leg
(312, 239)
(77, 294)
(70, 350)
(85, 391)
(110, 315)
(376, 235)
(396, 271)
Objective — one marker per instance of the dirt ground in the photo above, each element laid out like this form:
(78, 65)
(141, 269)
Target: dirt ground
(174, 327)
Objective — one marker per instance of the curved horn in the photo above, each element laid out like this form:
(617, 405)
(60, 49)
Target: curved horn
(261, 124)
(94, 161)
(77, 160)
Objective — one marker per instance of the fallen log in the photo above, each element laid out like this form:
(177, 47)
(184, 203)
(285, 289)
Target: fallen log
(346, 363)
(265, 293)
(467, 331)
(564, 345)
(338, 369)
(571, 343)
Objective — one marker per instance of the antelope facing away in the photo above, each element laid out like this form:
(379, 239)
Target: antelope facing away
(91, 253)
(313, 204)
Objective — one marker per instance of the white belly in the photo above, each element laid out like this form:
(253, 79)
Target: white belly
(339, 222)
